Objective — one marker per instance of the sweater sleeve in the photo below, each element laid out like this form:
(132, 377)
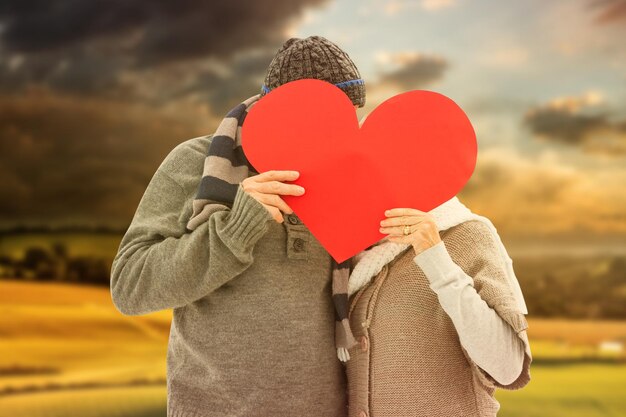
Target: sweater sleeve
(160, 265)
(488, 339)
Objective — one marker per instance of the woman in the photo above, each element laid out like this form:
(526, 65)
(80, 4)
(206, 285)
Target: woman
(439, 317)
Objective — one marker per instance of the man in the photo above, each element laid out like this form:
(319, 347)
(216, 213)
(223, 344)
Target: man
(253, 330)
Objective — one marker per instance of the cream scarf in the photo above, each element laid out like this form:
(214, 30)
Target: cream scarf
(370, 262)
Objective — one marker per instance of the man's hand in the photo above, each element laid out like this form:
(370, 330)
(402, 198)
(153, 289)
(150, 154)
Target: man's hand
(267, 189)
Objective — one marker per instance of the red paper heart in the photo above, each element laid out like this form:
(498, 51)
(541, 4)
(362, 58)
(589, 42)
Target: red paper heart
(417, 149)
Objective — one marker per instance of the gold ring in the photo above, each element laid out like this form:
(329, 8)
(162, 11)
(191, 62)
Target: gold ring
(407, 230)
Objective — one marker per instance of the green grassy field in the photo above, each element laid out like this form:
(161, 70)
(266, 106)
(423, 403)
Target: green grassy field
(65, 351)
(578, 390)
(572, 391)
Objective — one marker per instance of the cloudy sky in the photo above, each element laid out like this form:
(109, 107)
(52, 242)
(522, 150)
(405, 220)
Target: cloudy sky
(93, 95)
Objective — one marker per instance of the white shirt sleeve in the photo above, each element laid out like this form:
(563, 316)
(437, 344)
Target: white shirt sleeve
(489, 340)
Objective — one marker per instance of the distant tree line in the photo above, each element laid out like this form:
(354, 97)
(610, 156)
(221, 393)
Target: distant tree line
(555, 293)
(580, 295)
(54, 264)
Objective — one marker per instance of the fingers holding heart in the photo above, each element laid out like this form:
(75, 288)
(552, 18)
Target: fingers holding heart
(398, 218)
(421, 232)
(408, 226)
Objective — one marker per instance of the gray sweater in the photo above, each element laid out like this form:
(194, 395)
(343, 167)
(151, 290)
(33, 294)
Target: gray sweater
(253, 322)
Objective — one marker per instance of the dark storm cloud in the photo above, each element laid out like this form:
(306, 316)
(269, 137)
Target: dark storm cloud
(64, 159)
(143, 51)
(414, 71)
(562, 125)
(76, 71)
(151, 30)
(246, 73)
(570, 122)
(88, 157)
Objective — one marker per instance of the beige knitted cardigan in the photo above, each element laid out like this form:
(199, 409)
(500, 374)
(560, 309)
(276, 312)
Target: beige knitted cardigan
(410, 361)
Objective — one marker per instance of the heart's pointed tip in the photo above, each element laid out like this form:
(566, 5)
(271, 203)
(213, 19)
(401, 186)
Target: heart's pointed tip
(338, 259)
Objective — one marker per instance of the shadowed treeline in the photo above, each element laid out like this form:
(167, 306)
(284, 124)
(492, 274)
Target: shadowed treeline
(575, 287)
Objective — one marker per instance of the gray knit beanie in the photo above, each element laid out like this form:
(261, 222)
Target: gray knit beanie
(315, 57)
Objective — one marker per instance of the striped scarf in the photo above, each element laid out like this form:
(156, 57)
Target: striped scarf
(225, 167)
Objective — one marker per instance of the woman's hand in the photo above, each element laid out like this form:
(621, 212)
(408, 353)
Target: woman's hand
(423, 232)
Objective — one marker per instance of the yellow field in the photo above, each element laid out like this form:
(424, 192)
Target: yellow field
(56, 335)
(125, 401)
(65, 341)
